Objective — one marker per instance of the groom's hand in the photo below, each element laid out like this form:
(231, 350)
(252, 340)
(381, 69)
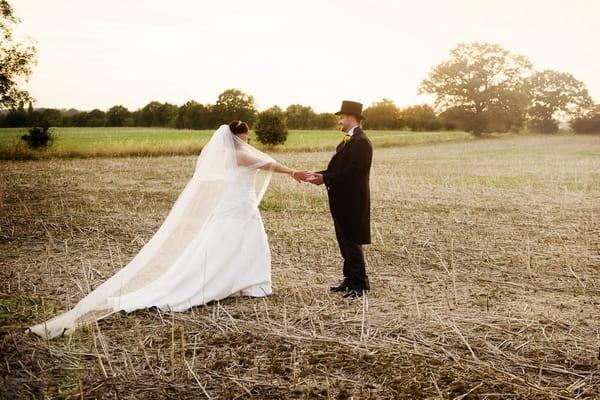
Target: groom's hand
(302, 176)
(316, 179)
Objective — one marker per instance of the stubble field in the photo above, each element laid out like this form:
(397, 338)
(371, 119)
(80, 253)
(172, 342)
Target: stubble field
(484, 267)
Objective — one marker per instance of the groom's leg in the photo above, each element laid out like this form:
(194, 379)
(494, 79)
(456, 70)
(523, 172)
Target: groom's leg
(340, 240)
(356, 268)
(354, 262)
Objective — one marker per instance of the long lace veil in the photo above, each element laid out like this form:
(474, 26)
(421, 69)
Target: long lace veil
(217, 166)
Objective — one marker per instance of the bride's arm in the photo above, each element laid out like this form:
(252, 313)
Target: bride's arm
(282, 169)
(248, 160)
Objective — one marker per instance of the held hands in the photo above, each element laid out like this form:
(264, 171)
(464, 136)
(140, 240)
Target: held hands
(316, 179)
(301, 176)
(307, 176)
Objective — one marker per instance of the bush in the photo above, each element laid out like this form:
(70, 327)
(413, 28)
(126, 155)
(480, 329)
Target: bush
(271, 127)
(543, 126)
(38, 138)
(586, 125)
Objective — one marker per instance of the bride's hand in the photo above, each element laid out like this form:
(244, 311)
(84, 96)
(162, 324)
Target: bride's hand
(302, 176)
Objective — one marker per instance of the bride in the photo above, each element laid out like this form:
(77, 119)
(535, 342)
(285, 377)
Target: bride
(212, 244)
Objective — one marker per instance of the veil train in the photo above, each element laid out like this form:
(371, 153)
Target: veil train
(217, 165)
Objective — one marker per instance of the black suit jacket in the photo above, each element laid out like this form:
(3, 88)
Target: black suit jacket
(347, 182)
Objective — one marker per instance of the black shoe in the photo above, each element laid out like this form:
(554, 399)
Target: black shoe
(341, 288)
(354, 293)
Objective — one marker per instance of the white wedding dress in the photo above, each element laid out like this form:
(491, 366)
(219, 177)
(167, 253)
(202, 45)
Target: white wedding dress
(231, 257)
(212, 245)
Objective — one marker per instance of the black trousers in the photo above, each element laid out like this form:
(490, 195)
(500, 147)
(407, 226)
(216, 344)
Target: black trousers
(355, 275)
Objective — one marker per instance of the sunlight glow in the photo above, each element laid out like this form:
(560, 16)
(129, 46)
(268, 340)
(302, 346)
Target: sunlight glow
(100, 54)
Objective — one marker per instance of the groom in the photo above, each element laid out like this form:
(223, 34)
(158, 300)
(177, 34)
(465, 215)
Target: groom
(347, 182)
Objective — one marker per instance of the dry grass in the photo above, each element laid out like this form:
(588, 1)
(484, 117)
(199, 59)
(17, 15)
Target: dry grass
(484, 268)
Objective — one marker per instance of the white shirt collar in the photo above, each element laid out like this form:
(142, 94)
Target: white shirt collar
(351, 131)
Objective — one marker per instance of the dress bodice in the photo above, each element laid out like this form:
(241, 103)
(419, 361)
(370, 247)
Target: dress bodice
(240, 197)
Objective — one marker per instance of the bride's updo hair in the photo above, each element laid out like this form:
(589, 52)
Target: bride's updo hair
(238, 127)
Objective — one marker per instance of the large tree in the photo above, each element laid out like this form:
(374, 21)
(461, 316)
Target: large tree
(326, 121)
(118, 116)
(156, 113)
(300, 117)
(235, 104)
(193, 115)
(16, 61)
(485, 83)
(555, 94)
(89, 118)
(148, 113)
(419, 118)
(381, 115)
(166, 115)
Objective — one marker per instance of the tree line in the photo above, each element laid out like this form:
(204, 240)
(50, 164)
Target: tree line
(235, 104)
(231, 104)
(480, 88)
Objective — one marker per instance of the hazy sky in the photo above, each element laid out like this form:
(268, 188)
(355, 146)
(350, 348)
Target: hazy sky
(96, 54)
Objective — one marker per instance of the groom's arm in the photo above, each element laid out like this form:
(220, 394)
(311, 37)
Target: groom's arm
(360, 160)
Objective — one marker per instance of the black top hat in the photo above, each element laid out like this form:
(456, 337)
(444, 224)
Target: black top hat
(352, 108)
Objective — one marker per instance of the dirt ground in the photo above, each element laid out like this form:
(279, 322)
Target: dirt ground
(484, 267)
